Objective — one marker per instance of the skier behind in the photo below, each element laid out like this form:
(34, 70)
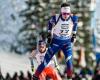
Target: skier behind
(62, 30)
(50, 69)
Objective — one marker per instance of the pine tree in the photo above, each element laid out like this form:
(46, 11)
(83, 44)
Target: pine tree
(38, 12)
(81, 9)
(28, 33)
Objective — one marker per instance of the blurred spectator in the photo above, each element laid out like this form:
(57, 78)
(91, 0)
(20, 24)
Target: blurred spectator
(86, 73)
(22, 77)
(97, 72)
(15, 76)
(82, 61)
(1, 76)
(8, 77)
(29, 76)
(83, 73)
(76, 77)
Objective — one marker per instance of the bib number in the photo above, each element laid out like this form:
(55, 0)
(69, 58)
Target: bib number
(64, 29)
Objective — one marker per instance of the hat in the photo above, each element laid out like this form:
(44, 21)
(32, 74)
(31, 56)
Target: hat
(41, 42)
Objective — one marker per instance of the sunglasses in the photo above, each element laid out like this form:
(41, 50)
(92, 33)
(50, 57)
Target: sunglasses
(65, 13)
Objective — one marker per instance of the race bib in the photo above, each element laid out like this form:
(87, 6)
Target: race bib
(64, 29)
(41, 58)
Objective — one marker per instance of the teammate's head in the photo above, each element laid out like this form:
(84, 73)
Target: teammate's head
(42, 46)
(65, 10)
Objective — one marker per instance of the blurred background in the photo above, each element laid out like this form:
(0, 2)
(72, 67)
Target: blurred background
(23, 21)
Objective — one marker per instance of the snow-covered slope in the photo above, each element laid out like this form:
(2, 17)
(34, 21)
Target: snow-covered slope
(10, 62)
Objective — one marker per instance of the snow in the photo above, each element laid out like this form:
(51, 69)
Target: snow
(11, 62)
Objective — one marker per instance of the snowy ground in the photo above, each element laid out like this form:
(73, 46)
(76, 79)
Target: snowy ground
(10, 62)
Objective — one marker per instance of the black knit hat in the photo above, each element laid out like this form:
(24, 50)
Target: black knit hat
(65, 5)
(41, 42)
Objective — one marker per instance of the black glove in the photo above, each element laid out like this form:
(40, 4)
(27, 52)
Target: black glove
(49, 38)
(32, 68)
(35, 78)
(73, 38)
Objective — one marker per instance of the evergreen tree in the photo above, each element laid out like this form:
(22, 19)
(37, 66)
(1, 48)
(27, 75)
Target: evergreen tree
(38, 12)
(81, 9)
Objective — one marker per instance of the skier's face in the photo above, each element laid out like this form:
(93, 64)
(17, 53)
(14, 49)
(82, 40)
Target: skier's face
(42, 48)
(65, 12)
(65, 15)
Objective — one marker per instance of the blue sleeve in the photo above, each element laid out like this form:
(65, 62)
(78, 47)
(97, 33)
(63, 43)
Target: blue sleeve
(75, 22)
(51, 22)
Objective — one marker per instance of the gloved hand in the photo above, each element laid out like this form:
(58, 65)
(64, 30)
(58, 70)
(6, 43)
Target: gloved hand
(35, 77)
(49, 38)
(57, 67)
(32, 68)
(73, 38)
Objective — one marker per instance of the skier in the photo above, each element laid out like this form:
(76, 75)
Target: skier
(62, 30)
(50, 69)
